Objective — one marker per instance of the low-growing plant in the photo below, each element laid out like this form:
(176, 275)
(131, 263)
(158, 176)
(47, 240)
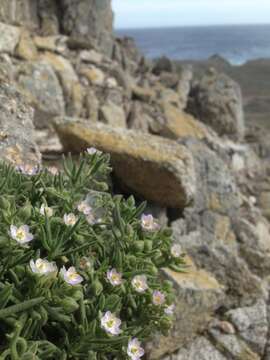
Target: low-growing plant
(79, 268)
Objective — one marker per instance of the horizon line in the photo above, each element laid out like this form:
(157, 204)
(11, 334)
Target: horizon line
(188, 26)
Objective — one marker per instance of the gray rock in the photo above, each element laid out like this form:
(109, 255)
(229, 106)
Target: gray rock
(20, 12)
(163, 64)
(113, 115)
(43, 89)
(17, 143)
(9, 39)
(200, 349)
(231, 345)
(252, 325)
(217, 101)
(89, 19)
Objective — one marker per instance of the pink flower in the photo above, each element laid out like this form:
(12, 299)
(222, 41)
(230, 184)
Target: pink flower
(111, 324)
(21, 234)
(71, 276)
(148, 223)
(135, 351)
(114, 277)
(139, 283)
(169, 310)
(158, 297)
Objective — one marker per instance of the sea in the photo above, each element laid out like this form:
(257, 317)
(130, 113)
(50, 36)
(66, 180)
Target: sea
(237, 43)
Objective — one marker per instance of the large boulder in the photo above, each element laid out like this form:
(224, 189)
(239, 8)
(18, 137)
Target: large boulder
(217, 101)
(17, 143)
(157, 169)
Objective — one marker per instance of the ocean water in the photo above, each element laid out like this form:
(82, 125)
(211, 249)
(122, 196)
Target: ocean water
(237, 44)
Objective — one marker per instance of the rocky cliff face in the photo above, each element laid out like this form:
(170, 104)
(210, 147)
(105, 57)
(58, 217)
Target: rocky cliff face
(176, 142)
(89, 20)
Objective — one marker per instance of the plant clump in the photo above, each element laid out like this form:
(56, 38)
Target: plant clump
(79, 267)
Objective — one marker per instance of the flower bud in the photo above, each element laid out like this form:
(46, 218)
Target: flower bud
(4, 203)
(138, 245)
(148, 245)
(97, 288)
(25, 212)
(69, 305)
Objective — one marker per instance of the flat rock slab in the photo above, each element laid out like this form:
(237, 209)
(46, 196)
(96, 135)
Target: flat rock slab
(158, 169)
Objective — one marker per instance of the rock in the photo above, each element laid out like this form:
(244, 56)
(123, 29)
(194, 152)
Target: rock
(180, 125)
(252, 325)
(26, 48)
(10, 36)
(200, 349)
(217, 101)
(56, 43)
(20, 12)
(143, 94)
(139, 119)
(163, 64)
(64, 70)
(92, 106)
(253, 232)
(7, 68)
(234, 347)
(89, 19)
(94, 75)
(168, 96)
(198, 296)
(48, 12)
(40, 84)
(91, 56)
(17, 143)
(158, 169)
(184, 85)
(113, 115)
(169, 80)
(217, 189)
(208, 231)
(264, 203)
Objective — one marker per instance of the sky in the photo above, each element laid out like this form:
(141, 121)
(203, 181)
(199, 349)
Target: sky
(158, 13)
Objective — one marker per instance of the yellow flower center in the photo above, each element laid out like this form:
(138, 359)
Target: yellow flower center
(73, 276)
(110, 323)
(134, 350)
(20, 234)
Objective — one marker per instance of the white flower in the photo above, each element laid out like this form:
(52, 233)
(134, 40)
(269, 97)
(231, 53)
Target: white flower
(135, 351)
(84, 208)
(21, 234)
(28, 169)
(53, 170)
(93, 151)
(110, 323)
(169, 310)
(114, 277)
(70, 219)
(71, 276)
(158, 298)
(139, 283)
(176, 250)
(148, 223)
(42, 267)
(46, 210)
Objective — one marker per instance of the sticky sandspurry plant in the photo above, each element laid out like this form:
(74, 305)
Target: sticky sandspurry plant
(79, 268)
